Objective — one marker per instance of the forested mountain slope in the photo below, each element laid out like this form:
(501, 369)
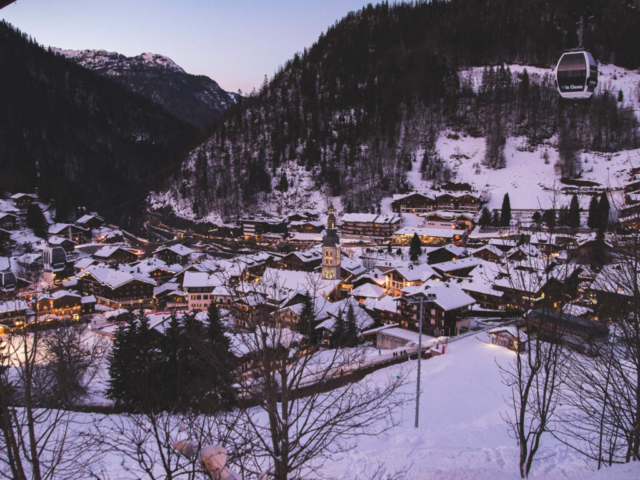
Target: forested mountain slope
(79, 138)
(351, 115)
(195, 99)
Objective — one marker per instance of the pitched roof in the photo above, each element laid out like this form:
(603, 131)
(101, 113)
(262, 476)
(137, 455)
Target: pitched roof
(369, 218)
(178, 249)
(108, 251)
(201, 279)
(419, 273)
(448, 296)
(114, 278)
(431, 232)
(367, 290)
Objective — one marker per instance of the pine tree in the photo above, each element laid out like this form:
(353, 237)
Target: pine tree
(549, 218)
(620, 96)
(145, 381)
(283, 186)
(593, 221)
(306, 324)
(563, 214)
(495, 218)
(36, 220)
(350, 328)
(339, 328)
(170, 356)
(121, 363)
(485, 218)
(505, 214)
(220, 361)
(415, 250)
(537, 217)
(604, 208)
(574, 212)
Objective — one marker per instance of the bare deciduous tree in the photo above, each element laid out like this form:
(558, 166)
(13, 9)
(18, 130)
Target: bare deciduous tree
(44, 372)
(310, 408)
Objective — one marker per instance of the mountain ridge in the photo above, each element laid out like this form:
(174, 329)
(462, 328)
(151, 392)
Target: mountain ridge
(195, 99)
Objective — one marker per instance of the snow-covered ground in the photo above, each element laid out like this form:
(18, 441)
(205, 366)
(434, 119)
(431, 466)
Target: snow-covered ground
(461, 433)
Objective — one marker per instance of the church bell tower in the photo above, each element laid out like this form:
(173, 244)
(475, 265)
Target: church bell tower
(331, 249)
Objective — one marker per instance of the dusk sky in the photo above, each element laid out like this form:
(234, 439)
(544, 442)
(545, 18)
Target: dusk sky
(234, 42)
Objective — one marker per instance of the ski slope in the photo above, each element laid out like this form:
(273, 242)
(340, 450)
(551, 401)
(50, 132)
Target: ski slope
(461, 433)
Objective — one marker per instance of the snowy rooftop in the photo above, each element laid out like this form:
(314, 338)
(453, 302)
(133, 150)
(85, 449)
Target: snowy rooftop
(114, 278)
(367, 290)
(430, 232)
(448, 296)
(419, 273)
(84, 263)
(178, 249)
(385, 304)
(409, 336)
(107, 251)
(369, 218)
(201, 279)
(459, 264)
(13, 305)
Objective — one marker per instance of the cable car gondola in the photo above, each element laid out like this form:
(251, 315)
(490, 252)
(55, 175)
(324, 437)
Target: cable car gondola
(8, 281)
(577, 75)
(54, 259)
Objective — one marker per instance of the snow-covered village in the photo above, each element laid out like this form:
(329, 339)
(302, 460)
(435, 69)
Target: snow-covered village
(410, 250)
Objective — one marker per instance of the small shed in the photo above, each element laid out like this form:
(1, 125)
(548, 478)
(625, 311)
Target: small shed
(509, 337)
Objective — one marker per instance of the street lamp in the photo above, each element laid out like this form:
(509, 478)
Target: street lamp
(414, 299)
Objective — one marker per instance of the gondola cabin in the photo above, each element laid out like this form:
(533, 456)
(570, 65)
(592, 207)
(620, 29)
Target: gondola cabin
(577, 75)
(54, 259)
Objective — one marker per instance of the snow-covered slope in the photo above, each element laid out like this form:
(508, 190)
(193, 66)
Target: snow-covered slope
(532, 181)
(461, 433)
(196, 99)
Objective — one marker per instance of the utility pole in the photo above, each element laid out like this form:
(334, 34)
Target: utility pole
(419, 364)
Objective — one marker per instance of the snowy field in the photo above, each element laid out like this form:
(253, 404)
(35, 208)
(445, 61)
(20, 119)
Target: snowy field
(461, 434)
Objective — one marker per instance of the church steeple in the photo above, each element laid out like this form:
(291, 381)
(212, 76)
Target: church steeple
(331, 249)
(331, 220)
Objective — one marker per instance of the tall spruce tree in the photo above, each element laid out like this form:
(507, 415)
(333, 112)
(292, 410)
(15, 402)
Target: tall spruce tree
(495, 218)
(220, 361)
(485, 218)
(283, 186)
(36, 220)
(593, 220)
(306, 325)
(574, 212)
(170, 358)
(338, 332)
(350, 338)
(549, 218)
(505, 213)
(122, 359)
(415, 250)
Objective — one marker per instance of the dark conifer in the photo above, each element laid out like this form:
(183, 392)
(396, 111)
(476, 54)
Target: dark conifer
(485, 218)
(505, 213)
(593, 221)
(415, 250)
(574, 212)
(220, 362)
(36, 221)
